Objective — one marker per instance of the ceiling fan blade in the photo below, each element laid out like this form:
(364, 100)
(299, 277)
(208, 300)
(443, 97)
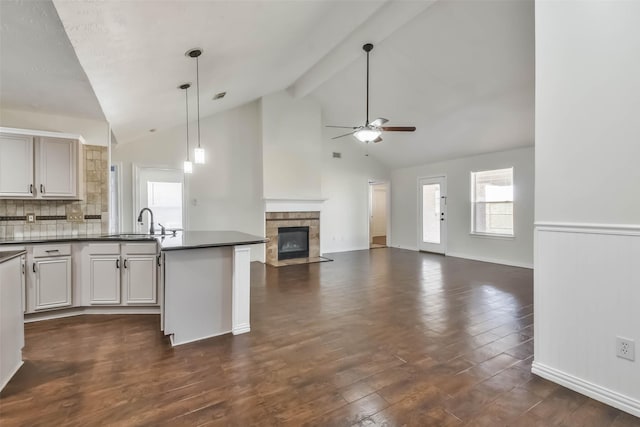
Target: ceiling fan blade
(341, 127)
(378, 139)
(398, 128)
(379, 122)
(346, 134)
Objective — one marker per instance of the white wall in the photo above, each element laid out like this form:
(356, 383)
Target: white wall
(344, 224)
(95, 132)
(228, 188)
(404, 207)
(587, 281)
(292, 146)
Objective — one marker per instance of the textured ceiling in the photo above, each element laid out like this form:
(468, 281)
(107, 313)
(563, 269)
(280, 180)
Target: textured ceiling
(461, 71)
(39, 70)
(133, 51)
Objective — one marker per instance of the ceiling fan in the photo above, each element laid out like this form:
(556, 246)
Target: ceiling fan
(371, 131)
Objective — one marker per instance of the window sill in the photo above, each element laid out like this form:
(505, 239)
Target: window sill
(493, 236)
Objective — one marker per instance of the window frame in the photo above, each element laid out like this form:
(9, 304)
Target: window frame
(472, 194)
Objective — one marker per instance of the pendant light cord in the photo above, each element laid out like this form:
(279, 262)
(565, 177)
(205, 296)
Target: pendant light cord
(198, 96)
(367, 89)
(186, 98)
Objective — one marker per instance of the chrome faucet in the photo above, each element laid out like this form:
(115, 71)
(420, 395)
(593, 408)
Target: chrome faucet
(151, 228)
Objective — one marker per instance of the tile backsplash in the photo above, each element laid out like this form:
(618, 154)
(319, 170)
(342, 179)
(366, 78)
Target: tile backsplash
(51, 215)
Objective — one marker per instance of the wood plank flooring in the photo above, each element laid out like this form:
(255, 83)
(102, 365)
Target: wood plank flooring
(384, 337)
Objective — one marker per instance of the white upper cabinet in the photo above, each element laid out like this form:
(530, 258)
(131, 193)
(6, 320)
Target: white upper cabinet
(16, 166)
(39, 164)
(56, 169)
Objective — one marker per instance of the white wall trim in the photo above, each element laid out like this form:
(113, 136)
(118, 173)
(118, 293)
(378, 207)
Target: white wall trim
(78, 311)
(293, 205)
(587, 388)
(491, 260)
(44, 133)
(351, 249)
(589, 228)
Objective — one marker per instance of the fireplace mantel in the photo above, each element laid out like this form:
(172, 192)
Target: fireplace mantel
(293, 205)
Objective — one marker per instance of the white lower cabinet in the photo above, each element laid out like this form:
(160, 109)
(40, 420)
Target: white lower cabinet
(121, 274)
(140, 278)
(52, 282)
(104, 279)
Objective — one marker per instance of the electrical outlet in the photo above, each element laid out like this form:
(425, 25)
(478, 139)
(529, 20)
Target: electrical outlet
(31, 217)
(625, 348)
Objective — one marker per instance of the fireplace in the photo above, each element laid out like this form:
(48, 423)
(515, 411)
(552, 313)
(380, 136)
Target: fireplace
(293, 242)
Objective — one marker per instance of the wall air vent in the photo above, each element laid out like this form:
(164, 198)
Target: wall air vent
(219, 95)
(337, 155)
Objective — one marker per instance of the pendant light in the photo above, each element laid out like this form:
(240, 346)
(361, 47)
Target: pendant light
(188, 166)
(199, 151)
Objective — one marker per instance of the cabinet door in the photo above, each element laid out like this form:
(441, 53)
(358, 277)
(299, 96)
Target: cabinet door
(23, 267)
(56, 168)
(140, 273)
(16, 166)
(53, 282)
(104, 279)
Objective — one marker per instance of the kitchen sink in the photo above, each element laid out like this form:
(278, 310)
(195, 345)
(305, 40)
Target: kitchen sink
(131, 236)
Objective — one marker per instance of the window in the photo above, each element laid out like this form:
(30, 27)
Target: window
(492, 202)
(165, 200)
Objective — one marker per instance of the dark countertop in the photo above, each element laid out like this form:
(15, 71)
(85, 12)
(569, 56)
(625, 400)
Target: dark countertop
(183, 239)
(6, 256)
(207, 239)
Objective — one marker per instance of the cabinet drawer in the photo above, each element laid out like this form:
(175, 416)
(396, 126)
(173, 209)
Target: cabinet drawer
(139, 248)
(104, 249)
(41, 251)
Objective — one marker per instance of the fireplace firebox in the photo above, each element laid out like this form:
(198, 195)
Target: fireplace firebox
(293, 242)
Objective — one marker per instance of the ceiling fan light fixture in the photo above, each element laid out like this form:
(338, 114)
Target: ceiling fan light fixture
(367, 134)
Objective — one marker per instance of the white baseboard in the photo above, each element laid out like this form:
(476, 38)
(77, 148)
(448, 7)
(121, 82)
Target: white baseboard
(241, 329)
(602, 394)
(13, 372)
(78, 311)
(491, 260)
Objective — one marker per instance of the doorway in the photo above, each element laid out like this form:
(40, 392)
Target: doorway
(432, 194)
(378, 214)
(162, 191)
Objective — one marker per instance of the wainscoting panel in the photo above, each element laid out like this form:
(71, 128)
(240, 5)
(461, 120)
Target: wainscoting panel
(587, 292)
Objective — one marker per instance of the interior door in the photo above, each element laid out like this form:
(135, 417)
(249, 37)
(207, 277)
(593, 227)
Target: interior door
(432, 196)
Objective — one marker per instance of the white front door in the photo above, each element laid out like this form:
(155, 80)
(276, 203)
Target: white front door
(432, 196)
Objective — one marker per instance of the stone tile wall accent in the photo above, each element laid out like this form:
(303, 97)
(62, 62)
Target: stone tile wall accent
(51, 214)
(274, 220)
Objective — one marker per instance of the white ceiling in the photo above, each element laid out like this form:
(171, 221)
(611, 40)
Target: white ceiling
(133, 51)
(462, 72)
(39, 70)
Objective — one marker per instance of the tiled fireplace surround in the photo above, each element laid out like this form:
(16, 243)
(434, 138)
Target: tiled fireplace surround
(274, 220)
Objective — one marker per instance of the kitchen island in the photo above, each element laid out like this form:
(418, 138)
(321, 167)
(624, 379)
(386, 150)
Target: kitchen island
(206, 284)
(199, 283)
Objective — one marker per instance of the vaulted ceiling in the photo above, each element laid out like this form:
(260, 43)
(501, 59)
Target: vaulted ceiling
(461, 71)
(39, 70)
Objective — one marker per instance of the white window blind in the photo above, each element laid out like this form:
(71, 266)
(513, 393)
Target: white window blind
(492, 202)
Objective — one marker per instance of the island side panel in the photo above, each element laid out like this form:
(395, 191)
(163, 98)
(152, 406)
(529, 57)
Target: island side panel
(241, 289)
(198, 293)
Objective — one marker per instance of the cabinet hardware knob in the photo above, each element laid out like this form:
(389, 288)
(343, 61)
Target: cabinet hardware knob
(34, 267)
(125, 263)
(117, 263)
(31, 188)
(42, 188)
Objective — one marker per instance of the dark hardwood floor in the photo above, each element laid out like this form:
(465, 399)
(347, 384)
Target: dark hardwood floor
(383, 337)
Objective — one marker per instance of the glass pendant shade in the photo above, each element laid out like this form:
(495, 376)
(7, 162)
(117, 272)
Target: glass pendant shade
(199, 156)
(188, 166)
(367, 135)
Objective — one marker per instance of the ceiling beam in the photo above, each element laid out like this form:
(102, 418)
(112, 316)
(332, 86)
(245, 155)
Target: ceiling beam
(385, 21)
